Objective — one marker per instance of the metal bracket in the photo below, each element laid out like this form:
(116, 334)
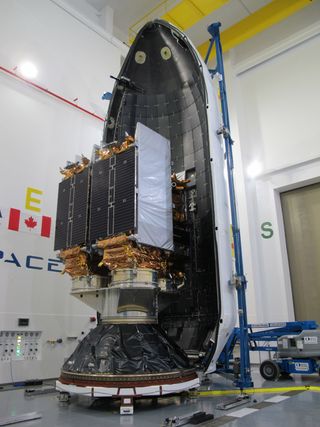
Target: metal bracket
(196, 418)
(20, 418)
(127, 405)
(38, 391)
(64, 397)
(237, 281)
(223, 131)
(242, 399)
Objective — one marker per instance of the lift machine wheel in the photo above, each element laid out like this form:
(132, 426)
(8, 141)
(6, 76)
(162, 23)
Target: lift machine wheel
(269, 370)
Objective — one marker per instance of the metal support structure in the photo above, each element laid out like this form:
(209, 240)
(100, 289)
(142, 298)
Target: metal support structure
(20, 418)
(196, 418)
(39, 391)
(263, 339)
(244, 380)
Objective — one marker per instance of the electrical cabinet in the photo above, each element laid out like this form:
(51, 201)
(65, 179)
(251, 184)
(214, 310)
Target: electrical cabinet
(20, 345)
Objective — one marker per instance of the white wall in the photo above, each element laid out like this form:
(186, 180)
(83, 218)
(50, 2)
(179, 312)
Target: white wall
(38, 135)
(274, 91)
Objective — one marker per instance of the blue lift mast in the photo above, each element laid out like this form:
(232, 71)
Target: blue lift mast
(244, 380)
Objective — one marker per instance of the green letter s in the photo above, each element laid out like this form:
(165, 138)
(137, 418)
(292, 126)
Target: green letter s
(268, 232)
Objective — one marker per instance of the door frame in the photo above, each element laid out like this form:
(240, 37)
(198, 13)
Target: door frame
(273, 269)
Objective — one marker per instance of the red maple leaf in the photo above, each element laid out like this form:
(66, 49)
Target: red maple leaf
(30, 222)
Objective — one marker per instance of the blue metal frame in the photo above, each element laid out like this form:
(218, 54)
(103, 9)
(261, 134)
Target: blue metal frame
(244, 335)
(276, 331)
(269, 339)
(244, 380)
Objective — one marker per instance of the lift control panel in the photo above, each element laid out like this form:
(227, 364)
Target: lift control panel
(20, 345)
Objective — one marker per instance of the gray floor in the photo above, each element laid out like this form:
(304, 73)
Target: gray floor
(302, 409)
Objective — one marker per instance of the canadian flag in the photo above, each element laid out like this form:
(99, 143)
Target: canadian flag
(22, 221)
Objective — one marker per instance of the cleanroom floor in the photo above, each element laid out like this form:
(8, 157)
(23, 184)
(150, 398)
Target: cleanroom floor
(288, 408)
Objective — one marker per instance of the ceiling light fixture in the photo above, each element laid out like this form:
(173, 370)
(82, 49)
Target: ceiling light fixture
(28, 70)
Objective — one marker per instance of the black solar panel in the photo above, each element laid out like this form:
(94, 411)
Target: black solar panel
(72, 211)
(60, 241)
(80, 208)
(110, 209)
(98, 225)
(124, 203)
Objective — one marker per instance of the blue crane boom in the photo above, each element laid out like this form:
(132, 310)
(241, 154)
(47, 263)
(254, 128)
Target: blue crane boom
(244, 380)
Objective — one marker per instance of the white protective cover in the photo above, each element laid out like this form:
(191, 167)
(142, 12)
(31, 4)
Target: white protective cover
(228, 313)
(154, 209)
(151, 390)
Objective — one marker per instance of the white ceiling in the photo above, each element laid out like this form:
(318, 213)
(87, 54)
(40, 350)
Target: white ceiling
(128, 12)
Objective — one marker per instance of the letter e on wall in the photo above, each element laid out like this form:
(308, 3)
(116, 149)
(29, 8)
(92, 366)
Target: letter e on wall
(31, 201)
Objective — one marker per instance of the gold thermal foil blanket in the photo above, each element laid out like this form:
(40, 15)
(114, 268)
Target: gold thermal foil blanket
(121, 252)
(75, 262)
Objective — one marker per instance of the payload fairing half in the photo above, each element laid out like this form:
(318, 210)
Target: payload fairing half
(144, 228)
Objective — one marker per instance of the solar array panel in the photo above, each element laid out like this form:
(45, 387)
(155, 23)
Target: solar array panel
(124, 195)
(62, 215)
(72, 211)
(98, 202)
(113, 196)
(80, 208)
(98, 224)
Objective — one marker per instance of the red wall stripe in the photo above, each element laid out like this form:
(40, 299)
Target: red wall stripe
(49, 92)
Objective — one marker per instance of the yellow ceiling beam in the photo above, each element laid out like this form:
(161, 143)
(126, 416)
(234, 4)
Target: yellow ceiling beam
(264, 18)
(188, 12)
(183, 15)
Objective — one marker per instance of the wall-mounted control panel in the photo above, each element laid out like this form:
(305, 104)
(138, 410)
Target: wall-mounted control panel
(20, 345)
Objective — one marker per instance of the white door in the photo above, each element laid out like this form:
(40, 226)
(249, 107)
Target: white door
(301, 214)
